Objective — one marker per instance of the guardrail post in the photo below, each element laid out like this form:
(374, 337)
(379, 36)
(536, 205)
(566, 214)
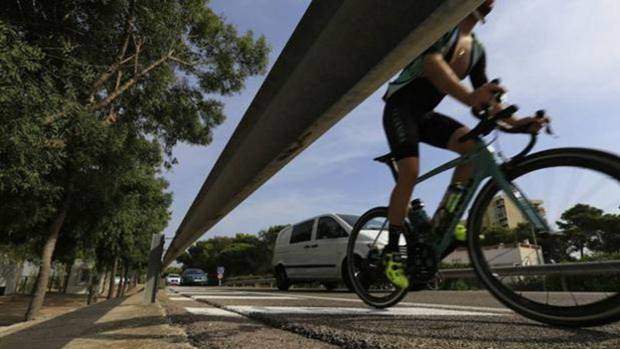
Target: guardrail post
(155, 263)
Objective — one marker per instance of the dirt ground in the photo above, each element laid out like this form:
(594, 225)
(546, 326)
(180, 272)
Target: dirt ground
(13, 308)
(120, 323)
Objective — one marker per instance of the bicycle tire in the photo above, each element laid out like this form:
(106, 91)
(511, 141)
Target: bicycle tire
(593, 314)
(352, 257)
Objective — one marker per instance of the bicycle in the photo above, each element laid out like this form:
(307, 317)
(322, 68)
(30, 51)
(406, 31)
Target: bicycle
(536, 284)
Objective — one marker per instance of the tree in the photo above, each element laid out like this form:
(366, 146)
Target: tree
(580, 225)
(96, 75)
(243, 254)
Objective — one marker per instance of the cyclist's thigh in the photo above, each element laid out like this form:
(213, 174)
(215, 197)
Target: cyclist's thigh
(401, 128)
(456, 145)
(437, 129)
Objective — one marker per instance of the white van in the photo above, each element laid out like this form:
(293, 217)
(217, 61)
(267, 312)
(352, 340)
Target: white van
(315, 250)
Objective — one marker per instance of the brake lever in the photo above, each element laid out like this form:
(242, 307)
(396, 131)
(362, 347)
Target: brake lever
(541, 114)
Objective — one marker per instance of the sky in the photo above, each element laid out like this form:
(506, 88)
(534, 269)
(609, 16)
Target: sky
(558, 55)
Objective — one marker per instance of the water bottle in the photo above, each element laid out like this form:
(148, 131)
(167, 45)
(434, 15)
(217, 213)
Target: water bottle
(445, 212)
(420, 221)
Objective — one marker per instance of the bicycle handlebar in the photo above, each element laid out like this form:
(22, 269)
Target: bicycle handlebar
(489, 123)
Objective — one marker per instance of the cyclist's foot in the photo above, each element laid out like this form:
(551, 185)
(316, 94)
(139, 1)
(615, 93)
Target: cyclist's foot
(395, 270)
(460, 232)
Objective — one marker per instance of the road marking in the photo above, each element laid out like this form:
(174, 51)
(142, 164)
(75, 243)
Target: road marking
(179, 299)
(458, 307)
(300, 296)
(190, 293)
(399, 311)
(241, 297)
(423, 305)
(211, 312)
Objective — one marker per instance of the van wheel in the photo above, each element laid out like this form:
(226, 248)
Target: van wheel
(282, 281)
(330, 286)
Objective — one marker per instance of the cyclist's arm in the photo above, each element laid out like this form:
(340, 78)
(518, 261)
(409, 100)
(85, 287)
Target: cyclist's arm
(478, 77)
(441, 75)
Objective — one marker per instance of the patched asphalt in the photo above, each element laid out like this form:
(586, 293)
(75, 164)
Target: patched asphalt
(428, 319)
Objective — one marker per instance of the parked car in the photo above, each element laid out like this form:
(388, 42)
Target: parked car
(193, 276)
(173, 279)
(315, 250)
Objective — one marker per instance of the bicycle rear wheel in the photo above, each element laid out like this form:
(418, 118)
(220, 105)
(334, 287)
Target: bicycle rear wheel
(569, 276)
(364, 260)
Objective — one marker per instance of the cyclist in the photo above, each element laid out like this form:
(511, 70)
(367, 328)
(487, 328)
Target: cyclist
(409, 118)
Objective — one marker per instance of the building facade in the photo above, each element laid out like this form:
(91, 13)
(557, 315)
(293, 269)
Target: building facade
(501, 255)
(504, 213)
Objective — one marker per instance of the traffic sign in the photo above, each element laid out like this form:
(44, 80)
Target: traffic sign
(220, 276)
(220, 270)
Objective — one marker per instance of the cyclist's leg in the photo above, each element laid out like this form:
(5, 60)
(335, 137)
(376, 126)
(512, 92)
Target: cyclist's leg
(402, 131)
(444, 132)
(463, 172)
(401, 128)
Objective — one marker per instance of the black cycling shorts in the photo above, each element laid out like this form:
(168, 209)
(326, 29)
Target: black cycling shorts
(405, 128)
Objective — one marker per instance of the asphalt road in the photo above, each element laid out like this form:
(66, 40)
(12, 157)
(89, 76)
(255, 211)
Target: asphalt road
(317, 319)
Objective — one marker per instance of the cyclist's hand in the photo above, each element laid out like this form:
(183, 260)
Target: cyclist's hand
(531, 124)
(484, 96)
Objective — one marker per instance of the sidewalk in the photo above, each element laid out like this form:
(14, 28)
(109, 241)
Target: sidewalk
(118, 323)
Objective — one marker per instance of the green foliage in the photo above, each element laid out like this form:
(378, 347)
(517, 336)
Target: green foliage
(172, 270)
(241, 255)
(91, 93)
(94, 95)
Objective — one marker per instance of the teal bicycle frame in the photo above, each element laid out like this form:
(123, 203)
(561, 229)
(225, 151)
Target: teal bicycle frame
(486, 165)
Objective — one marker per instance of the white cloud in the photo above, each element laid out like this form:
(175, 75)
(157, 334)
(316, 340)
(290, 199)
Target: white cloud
(549, 49)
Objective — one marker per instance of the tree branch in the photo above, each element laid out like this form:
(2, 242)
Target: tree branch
(119, 59)
(178, 60)
(129, 83)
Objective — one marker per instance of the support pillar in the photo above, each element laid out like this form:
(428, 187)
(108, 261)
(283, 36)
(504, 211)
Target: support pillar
(155, 263)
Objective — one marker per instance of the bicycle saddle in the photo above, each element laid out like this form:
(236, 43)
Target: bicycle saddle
(386, 159)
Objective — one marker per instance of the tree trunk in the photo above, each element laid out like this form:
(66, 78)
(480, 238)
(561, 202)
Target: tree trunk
(46, 263)
(65, 283)
(92, 282)
(119, 288)
(112, 275)
(103, 282)
(126, 278)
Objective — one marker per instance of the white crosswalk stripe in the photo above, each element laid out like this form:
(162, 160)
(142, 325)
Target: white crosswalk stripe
(399, 311)
(404, 308)
(236, 297)
(211, 312)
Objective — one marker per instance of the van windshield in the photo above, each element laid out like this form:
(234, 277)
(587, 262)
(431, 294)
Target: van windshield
(349, 218)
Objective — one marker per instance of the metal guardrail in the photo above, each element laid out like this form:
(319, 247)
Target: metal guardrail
(545, 269)
(469, 273)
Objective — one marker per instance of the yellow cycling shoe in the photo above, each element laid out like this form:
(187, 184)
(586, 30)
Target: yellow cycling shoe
(460, 232)
(395, 271)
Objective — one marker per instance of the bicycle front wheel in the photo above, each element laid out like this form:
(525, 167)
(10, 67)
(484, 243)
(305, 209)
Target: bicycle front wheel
(365, 260)
(570, 275)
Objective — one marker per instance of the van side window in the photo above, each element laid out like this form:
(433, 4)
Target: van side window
(302, 232)
(328, 228)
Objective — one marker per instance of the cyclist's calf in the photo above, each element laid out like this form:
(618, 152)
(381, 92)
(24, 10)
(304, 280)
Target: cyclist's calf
(408, 169)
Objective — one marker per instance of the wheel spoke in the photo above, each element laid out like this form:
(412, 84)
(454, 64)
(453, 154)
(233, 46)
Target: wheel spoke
(365, 251)
(568, 273)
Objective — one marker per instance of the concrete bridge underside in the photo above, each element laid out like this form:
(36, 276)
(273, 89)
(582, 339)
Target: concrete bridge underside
(340, 53)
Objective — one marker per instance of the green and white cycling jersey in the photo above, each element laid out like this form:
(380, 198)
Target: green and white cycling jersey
(446, 46)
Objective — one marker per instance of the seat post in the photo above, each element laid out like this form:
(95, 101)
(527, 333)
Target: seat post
(389, 160)
(392, 165)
